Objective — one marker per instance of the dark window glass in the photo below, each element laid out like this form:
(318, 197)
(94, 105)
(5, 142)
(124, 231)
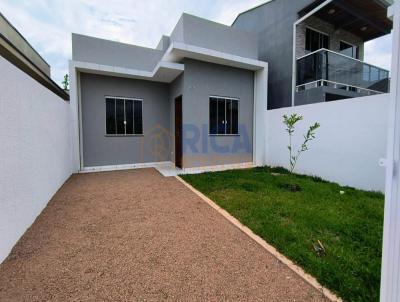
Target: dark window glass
(308, 39)
(235, 117)
(221, 116)
(129, 116)
(349, 50)
(316, 40)
(229, 116)
(110, 116)
(138, 120)
(123, 116)
(213, 115)
(224, 116)
(120, 116)
(325, 41)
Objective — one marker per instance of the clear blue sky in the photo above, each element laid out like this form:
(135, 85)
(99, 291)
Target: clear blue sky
(47, 24)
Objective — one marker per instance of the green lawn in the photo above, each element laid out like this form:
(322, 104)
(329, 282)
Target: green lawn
(348, 225)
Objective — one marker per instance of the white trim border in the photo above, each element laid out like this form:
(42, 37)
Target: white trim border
(167, 164)
(122, 167)
(197, 170)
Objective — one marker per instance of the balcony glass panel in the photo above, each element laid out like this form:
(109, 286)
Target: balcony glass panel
(334, 67)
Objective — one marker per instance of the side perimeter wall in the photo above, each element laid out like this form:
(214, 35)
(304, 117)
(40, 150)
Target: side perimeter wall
(36, 151)
(348, 145)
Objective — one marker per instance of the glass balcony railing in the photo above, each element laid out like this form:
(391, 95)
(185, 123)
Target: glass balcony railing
(328, 68)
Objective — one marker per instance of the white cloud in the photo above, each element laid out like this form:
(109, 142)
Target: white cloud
(48, 25)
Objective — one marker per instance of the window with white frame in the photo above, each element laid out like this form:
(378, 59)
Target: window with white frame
(224, 116)
(349, 50)
(124, 116)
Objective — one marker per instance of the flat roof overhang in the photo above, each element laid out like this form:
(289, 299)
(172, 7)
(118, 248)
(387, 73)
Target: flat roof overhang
(366, 19)
(164, 72)
(15, 38)
(179, 51)
(170, 66)
(11, 53)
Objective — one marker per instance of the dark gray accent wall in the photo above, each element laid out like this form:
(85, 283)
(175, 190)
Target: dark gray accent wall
(273, 22)
(101, 150)
(200, 32)
(202, 80)
(105, 52)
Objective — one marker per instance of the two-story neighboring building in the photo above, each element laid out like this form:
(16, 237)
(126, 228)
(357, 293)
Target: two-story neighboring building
(316, 48)
(199, 98)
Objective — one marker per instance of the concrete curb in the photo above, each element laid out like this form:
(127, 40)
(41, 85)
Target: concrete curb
(269, 248)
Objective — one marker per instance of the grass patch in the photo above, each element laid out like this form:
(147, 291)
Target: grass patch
(349, 225)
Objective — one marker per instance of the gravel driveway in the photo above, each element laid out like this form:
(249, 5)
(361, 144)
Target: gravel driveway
(137, 236)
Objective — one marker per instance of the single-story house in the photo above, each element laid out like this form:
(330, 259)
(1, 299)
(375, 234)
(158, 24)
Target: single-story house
(197, 100)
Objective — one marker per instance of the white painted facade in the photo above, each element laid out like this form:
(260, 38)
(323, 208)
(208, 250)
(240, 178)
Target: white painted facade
(390, 276)
(348, 145)
(35, 150)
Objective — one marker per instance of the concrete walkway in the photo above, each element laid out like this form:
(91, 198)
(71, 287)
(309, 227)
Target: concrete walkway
(137, 236)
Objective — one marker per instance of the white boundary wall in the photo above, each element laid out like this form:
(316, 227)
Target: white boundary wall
(35, 151)
(348, 145)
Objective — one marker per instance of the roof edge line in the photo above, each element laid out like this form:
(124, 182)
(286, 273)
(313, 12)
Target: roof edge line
(250, 9)
(23, 38)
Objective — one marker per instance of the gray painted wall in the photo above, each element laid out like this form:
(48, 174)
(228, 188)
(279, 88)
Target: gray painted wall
(164, 43)
(200, 81)
(99, 149)
(177, 32)
(208, 34)
(105, 52)
(273, 22)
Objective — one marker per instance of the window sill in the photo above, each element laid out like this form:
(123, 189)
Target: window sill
(124, 135)
(224, 134)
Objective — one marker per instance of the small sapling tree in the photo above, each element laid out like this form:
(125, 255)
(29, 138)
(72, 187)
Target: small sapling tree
(65, 82)
(290, 122)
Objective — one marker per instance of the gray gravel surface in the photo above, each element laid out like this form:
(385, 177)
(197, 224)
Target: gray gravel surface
(137, 236)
